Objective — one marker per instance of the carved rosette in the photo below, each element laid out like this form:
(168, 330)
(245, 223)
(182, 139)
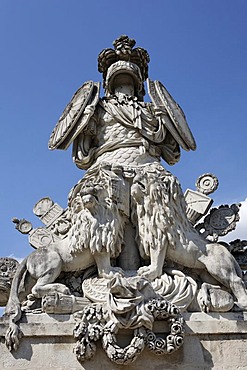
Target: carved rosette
(171, 343)
(126, 200)
(23, 226)
(207, 183)
(96, 324)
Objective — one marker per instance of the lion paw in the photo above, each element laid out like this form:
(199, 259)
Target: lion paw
(148, 272)
(204, 300)
(113, 271)
(12, 337)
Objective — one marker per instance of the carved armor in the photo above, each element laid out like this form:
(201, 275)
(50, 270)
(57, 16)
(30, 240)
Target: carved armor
(124, 131)
(126, 198)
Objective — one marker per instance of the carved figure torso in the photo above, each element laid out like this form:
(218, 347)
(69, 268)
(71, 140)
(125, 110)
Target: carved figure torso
(111, 131)
(128, 217)
(121, 131)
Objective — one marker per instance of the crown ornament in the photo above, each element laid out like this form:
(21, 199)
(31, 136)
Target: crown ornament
(123, 51)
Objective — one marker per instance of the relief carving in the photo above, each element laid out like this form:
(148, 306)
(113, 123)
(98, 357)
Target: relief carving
(125, 252)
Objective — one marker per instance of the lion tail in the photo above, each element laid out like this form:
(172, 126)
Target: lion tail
(13, 309)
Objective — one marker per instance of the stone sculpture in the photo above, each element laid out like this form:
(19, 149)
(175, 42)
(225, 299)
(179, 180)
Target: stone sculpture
(127, 216)
(8, 268)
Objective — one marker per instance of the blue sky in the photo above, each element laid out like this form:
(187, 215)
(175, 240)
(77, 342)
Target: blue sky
(50, 47)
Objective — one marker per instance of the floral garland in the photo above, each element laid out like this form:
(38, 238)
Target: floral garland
(95, 325)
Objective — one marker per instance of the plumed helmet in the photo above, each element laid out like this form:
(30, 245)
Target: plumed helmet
(133, 61)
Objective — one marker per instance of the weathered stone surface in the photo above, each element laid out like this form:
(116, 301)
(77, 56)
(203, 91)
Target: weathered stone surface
(8, 267)
(197, 205)
(212, 341)
(126, 201)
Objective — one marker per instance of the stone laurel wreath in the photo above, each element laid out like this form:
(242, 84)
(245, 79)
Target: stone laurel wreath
(95, 325)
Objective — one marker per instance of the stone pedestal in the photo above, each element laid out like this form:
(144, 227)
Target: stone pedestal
(212, 341)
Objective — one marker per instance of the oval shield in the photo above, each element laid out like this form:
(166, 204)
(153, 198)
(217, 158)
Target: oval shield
(70, 115)
(178, 125)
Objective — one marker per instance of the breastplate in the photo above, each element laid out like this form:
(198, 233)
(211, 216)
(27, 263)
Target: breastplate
(109, 130)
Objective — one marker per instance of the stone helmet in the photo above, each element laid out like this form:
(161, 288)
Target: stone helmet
(123, 67)
(124, 58)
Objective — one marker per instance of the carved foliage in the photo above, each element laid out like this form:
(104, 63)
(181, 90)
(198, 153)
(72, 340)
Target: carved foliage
(96, 323)
(8, 268)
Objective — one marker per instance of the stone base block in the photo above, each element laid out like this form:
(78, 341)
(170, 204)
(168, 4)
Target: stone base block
(212, 341)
